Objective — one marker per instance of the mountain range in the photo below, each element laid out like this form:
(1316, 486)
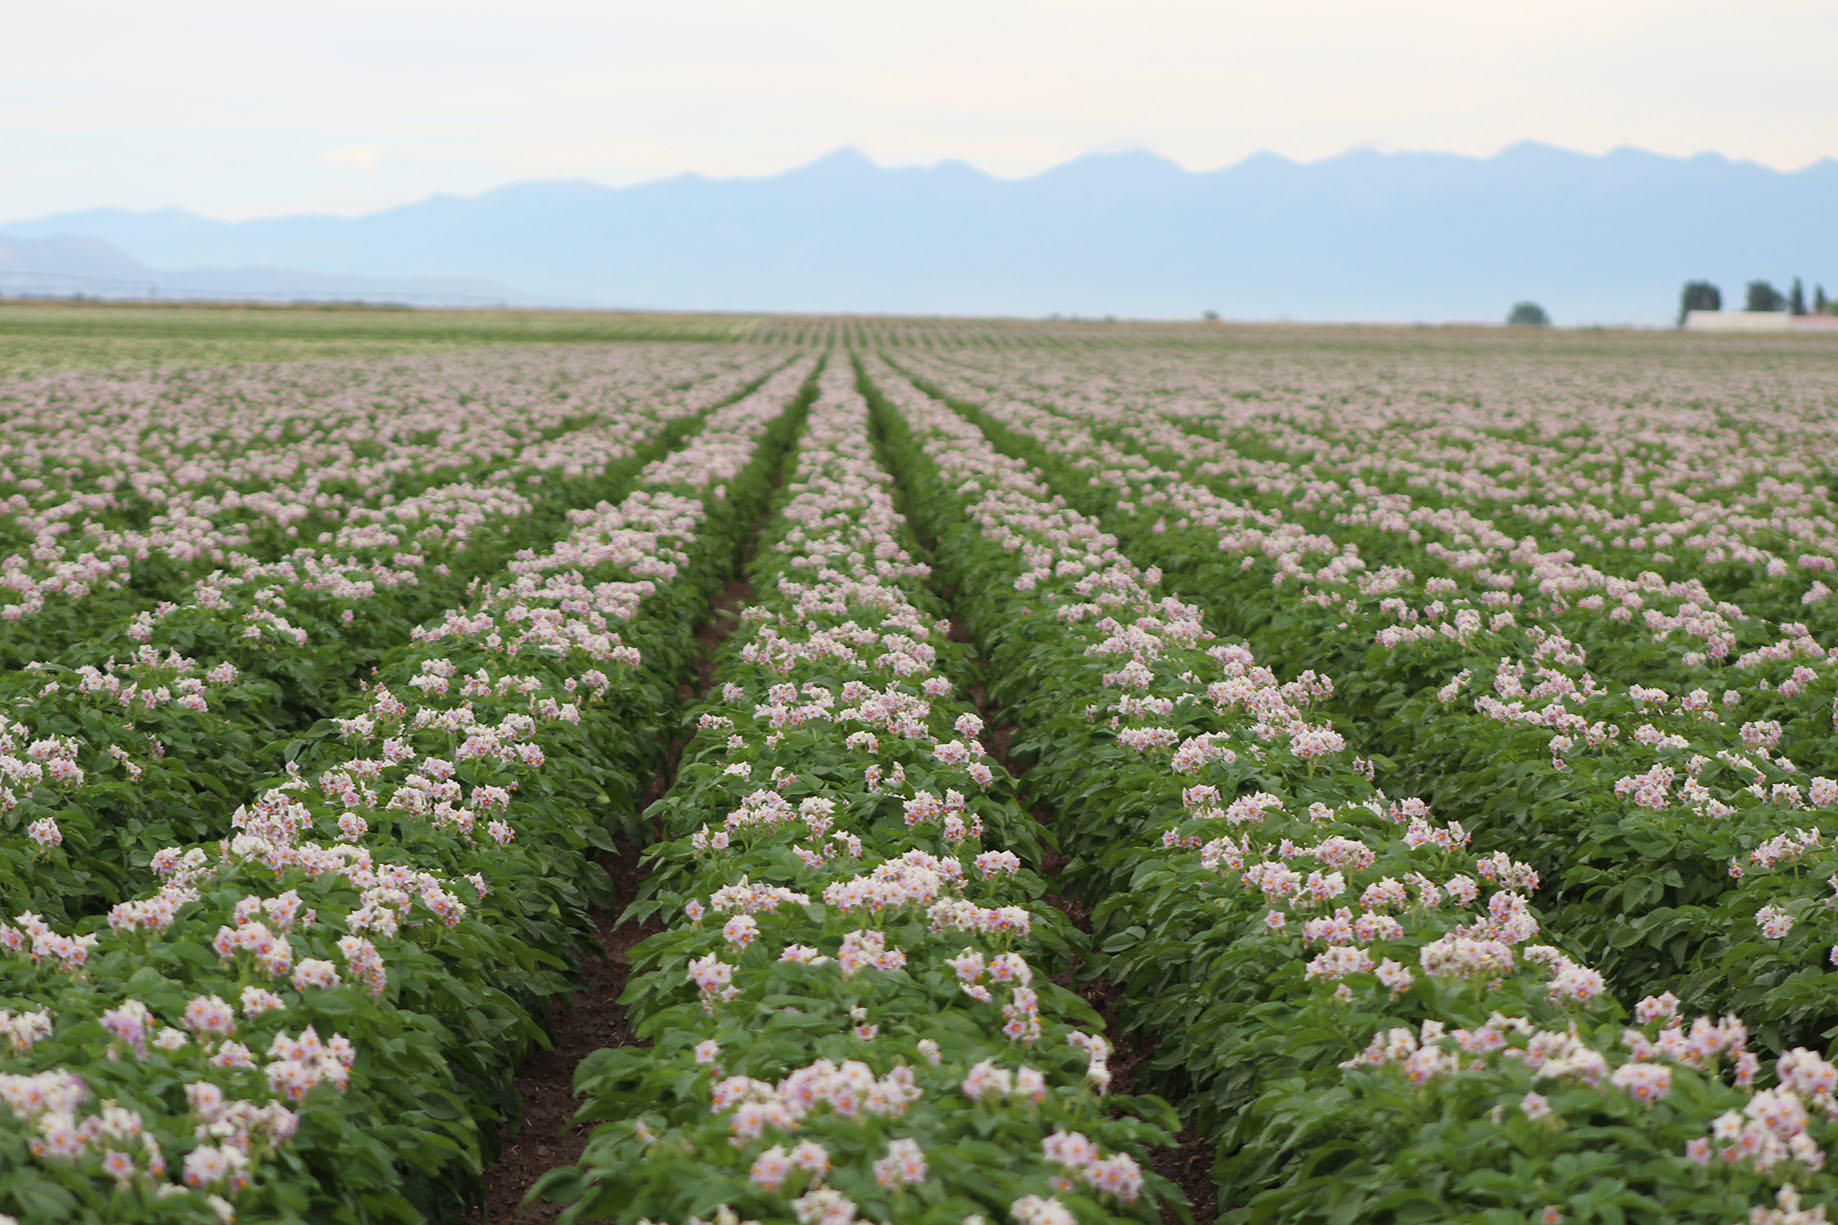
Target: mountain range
(1363, 236)
(63, 264)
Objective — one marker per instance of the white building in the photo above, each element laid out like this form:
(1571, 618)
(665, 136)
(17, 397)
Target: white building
(1758, 321)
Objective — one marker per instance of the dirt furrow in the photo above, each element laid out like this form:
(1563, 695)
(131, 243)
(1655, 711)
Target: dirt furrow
(593, 1017)
(1187, 1163)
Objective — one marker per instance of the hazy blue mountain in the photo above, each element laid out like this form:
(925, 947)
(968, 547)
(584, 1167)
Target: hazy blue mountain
(1382, 236)
(71, 263)
(77, 264)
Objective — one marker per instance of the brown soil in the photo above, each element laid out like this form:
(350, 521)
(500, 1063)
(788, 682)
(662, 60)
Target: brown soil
(1188, 1163)
(722, 622)
(593, 1017)
(724, 618)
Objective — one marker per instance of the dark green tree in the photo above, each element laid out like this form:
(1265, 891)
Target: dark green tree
(1796, 299)
(1818, 299)
(1764, 297)
(1528, 314)
(1699, 296)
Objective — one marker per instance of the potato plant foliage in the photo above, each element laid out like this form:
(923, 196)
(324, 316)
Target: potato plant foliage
(1425, 747)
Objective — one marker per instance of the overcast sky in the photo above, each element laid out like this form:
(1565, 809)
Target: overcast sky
(250, 109)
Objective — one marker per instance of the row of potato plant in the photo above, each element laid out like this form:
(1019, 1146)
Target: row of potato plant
(850, 1014)
(1312, 529)
(1491, 711)
(1352, 995)
(311, 1017)
(120, 489)
(1634, 627)
(1703, 779)
(1598, 484)
(151, 734)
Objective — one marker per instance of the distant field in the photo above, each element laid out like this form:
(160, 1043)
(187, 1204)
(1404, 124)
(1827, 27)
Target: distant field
(40, 336)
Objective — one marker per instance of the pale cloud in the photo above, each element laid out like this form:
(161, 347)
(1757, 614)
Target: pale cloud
(346, 105)
(354, 157)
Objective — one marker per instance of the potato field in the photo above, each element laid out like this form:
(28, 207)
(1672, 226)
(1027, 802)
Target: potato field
(1063, 773)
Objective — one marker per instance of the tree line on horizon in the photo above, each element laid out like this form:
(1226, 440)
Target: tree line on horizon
(1761, 296)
